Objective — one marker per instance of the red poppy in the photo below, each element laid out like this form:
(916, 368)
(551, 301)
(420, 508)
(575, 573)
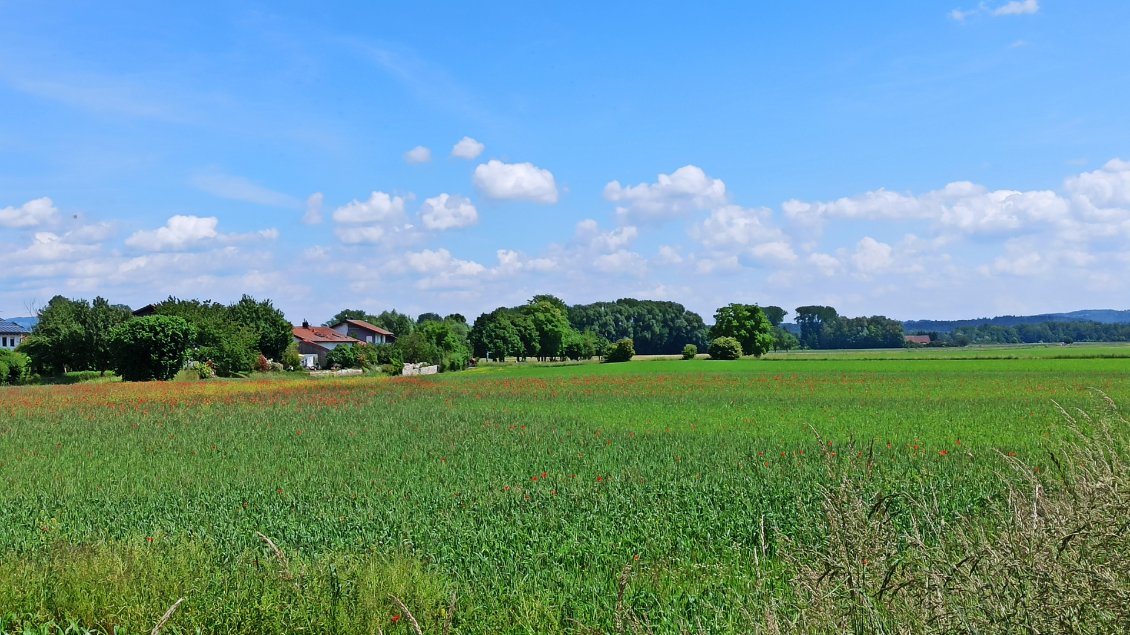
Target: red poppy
(543, 475)
(943, 452)
(395, 619)
(599, 479)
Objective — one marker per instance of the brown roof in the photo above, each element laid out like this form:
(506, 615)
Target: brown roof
(917, 339)
(362, 324)
(322, 334)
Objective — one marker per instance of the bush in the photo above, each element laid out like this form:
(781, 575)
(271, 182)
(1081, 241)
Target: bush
(347, 356)
(262, 364)
(621, 351)
(292, 359)
(15, 368)
(725, 348)
(151, 347)
(689, 351)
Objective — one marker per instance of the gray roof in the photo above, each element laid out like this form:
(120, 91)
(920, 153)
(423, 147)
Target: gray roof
(7, 327)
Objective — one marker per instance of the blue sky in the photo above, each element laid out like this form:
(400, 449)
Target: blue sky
(918, 160)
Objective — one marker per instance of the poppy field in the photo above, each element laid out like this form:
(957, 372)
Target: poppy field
(503, 499)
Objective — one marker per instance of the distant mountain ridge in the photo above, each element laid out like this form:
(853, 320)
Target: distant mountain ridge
(26, 322)
(1102, 316)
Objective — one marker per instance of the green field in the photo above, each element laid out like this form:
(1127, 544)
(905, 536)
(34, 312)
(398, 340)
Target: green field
(525, 492)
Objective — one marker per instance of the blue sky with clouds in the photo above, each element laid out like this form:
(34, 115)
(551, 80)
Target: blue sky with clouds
(925, 159)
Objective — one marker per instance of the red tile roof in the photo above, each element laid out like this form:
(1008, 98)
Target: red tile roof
(322, 334)
(362, 324)
(917, 339)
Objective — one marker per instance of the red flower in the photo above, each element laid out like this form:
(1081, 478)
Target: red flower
(599, 479)
(395, 619)
(943, 452)
(149, 539)
(543, 475)
(534, 479)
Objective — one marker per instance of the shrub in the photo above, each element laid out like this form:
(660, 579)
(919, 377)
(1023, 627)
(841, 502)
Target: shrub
(262, 364)
(343, 357)
(725, 348)
(292, 359)
(689, 351)
(151, 347)
(15, 368)
(621, 351)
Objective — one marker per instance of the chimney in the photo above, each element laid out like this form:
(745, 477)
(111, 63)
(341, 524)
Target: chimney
(305, 324)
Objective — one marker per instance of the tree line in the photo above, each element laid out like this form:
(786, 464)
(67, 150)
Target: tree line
(1065, 332)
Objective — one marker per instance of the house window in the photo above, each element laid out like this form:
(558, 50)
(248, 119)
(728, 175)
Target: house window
(5, 342)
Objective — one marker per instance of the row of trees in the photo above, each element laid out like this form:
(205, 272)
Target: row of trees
(539, 329)
(76, 335)
(1067, 332)
(823, 327)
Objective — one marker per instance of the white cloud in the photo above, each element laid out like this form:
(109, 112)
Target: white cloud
(238, 188)
(510, 261)
(36, 212)
(960, 206)
(776, 252)
(621, 261)
(188, 232)
(669, 255)
(448, 212)
(588, 231)
(826, 264)
(515, 181)
(380, 208)
(716, 265)
(736, 226)
(418, 155)
(1018, 7)
(467, 148)
(872, 256)
(351, 235)
(314, 209)
(1102, 189)
(1015, 7)
(684, 190)
(179, 232)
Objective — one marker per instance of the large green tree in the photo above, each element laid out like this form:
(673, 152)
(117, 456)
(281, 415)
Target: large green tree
(747, 324)
(270, 326)
(551, 323)
(655, 327)
(154, 347)
(814, 321)
(73, 335)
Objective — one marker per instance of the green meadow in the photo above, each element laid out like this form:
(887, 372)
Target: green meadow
(657, 496)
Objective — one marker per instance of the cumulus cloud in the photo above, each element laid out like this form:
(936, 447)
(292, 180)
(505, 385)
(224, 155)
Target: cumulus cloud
(187, 232)
(448, 212)
(960, 206)
(515, 181)
(1018, 7)
(620, 261)
(34, 213)
(588, 232)
(314, 209)
(380, 207)
(1015, 7)
(179, 232)
(872, 256)
(418, 155)
(736, 226)
(669, 255)
(238, 188)
(467, 148)
(684, 190)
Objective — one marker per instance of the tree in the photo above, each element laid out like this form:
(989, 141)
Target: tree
(814, 320)
(15, 368)
(59, 342)
(269, 324)
(655, 327)
(494, 335)
(775, 314)
(747, 324)
(449, 338)
(101, 319)
(551, 322)
(428, 317)
(394, 321)
(230, 346)
(151, 348)
(349, 314)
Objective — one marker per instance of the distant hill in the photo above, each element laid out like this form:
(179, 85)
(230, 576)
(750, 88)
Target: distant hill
(1102, 316)
(26, 322)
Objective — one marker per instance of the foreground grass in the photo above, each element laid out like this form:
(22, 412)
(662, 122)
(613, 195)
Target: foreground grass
(523, 492)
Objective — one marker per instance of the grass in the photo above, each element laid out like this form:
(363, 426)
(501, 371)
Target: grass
(526, 492)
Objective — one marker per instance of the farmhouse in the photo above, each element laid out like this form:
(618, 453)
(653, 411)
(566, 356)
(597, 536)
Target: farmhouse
(920, 340)
(314, 342)
(11, 334)
(365, 332)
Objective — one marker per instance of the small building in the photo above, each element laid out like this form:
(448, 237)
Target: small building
(319, 340)
(365, 332)
(11, 334)
(917, 340)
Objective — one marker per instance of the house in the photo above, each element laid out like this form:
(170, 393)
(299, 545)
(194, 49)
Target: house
(365, 332)
(917, 340)
(319, 340)
(11, 334)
